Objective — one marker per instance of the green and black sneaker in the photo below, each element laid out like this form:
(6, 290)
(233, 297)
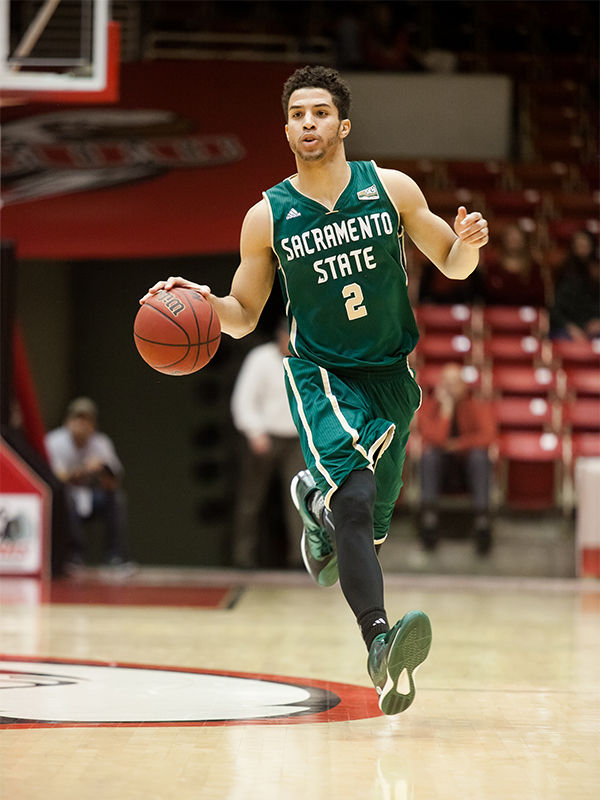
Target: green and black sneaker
(316, 545)
(394, 658)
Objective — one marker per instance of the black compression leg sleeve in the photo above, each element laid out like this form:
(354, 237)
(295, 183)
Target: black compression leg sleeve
(361, 578)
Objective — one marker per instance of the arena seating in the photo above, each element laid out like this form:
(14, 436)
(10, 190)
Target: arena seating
(546, 394)
(586, 445)
(526, 413)
(512, 320)
(531, 468)
(524, 350)
(581, 414)
(583, 382)
(576, 354)
(443, 347)
(449, 319)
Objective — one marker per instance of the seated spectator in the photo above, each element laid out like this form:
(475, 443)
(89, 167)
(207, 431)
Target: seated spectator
(86, 462)
(575, 313)
(456, 431)
(513, 274)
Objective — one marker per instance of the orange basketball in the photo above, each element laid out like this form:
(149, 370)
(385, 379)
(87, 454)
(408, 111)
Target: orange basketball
(177, 332)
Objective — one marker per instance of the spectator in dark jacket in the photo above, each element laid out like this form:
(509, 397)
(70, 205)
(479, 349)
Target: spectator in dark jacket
(576, 311)
(513, 273)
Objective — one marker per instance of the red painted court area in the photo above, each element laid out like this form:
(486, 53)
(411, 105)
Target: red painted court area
(88, 592)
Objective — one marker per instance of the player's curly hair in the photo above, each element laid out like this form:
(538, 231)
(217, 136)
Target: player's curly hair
(320, 78)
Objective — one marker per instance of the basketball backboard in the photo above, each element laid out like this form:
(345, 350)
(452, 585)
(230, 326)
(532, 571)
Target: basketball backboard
(58, 50)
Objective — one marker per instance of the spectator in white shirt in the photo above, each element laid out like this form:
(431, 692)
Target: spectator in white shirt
(260, 411)
(86, 461)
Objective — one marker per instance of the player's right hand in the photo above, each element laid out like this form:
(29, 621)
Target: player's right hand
(171, 283)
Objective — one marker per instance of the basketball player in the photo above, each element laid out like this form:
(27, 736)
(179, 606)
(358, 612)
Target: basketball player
(337, 229)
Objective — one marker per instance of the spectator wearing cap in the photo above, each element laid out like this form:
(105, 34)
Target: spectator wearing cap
(86, 461)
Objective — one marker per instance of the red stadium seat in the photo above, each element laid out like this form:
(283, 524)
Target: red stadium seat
(424, 171)
(515, 320)
(440, 347)
(515, 64)
(445, 202)
(517, 380)
(513, 349)
(591, 174)
(428, 376)
(583, 382)
(585, 445)
(541, 175)
(576, 354)
(580, 205)
(561, 230)
(582, 414)
(524, 413)
(559, 119)
(530, 446)
(477, 175)
(456, 318)
(532, 467)
(514, 202)
(560, 92)
(528, 225)
(560, 147)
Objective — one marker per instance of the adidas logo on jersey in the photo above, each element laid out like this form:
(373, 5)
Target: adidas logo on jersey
(292, 213)
(370, 193)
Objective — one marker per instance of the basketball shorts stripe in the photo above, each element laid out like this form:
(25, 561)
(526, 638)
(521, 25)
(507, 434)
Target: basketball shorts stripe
(347, 424)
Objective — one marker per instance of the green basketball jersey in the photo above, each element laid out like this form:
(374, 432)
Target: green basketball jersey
(343, 275)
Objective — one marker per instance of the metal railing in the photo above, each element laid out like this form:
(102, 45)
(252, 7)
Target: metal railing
(238, 47)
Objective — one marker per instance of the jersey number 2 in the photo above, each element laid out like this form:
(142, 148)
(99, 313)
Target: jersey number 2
(353, 295)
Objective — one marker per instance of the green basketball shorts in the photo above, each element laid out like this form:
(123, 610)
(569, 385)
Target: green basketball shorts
(351, 423)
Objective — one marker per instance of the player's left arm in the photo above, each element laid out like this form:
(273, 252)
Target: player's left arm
(454, 252)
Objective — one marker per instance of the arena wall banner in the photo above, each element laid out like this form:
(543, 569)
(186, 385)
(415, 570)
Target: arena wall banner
(173, 166)
(25, 506)
(170, 169)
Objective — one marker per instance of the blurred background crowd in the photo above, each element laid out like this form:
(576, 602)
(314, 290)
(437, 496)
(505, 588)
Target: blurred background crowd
(524, 329)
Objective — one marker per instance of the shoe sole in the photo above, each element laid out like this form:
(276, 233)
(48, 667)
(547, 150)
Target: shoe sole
(296, 502)
(409, 648)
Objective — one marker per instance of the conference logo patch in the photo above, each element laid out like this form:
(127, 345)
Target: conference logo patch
(370, 193)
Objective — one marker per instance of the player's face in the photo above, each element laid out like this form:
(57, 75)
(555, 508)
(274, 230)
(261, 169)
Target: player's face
(314, 128)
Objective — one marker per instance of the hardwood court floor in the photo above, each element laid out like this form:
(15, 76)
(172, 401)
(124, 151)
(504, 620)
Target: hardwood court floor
(507, 706)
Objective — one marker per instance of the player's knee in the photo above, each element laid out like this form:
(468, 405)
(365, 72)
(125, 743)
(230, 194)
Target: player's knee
(352, 504)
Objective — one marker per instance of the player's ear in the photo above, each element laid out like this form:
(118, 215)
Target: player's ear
(287, 133)
(345, 126)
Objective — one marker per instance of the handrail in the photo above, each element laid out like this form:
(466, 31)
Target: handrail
(237, 46)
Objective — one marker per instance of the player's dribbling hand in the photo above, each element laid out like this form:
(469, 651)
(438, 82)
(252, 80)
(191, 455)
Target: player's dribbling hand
(471, 229)
(171, 283)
